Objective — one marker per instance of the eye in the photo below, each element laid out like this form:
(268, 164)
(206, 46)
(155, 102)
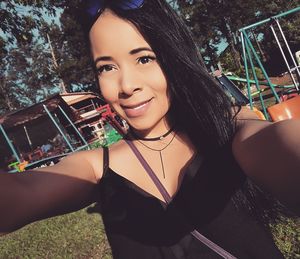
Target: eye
(104, 69)
(145, 59)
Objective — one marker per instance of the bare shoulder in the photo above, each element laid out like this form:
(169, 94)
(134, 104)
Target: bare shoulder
(260, 132)
(249, 137)
(269, 153)
(82, 165)
(118, 154)
(94, 158)
(245, 113)
(247, 127)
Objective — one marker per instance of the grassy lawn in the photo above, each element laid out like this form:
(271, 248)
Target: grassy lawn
(286, 235)
(75, 235)
(81, 235)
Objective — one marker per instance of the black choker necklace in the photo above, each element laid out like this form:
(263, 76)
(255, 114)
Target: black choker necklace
(152, 139)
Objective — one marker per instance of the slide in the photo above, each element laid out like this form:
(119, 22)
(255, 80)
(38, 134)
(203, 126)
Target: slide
(232, 89)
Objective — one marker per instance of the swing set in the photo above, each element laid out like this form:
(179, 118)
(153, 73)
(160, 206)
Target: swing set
(285, 108)
(20, 164)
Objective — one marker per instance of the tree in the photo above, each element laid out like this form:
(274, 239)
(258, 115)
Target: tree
(76, 68)
(22, 54)
(23, 66)
(290, 26)
(38, 55)
(215, 21)
(19, 18)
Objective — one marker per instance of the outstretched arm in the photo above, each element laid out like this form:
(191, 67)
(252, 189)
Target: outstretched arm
(38, 194)
(269, 153)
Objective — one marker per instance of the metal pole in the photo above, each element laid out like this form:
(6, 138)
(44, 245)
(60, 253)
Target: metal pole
(94, 106)
(297, 9)
(262, 68)
(289, 49)
(247, 71)
(11, 146)
(27, 136)
(256, 82)
(284, 57)
(59, 129)
(72, 124)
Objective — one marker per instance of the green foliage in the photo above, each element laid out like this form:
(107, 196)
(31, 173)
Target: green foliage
(30, 70)
(112, 137)
(27, 66)
(213, 22)
(20, 18)
(95, 144)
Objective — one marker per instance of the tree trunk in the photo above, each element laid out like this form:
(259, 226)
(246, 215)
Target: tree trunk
(236, 56)
(8, 104)
(61, 83)
(262, 53)
(225, 28)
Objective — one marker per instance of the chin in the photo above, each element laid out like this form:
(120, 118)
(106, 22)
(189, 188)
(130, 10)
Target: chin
(146, 126)
(140, 126)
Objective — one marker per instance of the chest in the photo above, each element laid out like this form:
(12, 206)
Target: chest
(168, 165)
(203, 191)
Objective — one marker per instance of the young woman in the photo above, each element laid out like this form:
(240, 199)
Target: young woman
(214, 177)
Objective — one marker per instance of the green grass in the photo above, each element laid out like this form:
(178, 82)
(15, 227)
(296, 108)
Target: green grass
(75, 235)
(81, 235)
(286, 235)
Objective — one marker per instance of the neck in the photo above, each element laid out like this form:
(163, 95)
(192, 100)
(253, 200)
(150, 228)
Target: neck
(152, 134)
(156, 138)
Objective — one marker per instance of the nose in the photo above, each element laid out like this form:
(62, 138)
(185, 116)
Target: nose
(129, 82)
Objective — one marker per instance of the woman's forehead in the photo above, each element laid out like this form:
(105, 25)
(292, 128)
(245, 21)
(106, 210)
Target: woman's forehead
(111, 31)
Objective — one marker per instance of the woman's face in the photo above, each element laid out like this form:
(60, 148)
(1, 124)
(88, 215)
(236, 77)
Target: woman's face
(130, 78)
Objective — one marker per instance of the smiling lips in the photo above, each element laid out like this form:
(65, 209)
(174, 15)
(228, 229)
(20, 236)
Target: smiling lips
(137, 109)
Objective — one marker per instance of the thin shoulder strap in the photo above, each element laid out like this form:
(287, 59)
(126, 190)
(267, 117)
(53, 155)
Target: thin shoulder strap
(219, 250)
(105, 161)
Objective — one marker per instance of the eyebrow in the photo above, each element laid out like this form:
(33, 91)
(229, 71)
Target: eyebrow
(132, 52)
(137, 50)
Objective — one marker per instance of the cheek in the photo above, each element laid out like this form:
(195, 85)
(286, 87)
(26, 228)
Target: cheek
(157, 79)
(161, 87)
(107, 91)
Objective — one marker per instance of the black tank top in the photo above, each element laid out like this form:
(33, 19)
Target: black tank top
(140, 226)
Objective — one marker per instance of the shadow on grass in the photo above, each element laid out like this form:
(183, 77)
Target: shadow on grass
(74, 235)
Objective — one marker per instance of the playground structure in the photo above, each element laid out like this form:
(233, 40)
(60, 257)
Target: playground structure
(231, 89)
(27, 135)
(45, 132)
(234, 92)
(113, 127)
(284, 108)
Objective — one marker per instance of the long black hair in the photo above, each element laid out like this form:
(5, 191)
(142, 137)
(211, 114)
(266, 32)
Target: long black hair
(199, 107)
